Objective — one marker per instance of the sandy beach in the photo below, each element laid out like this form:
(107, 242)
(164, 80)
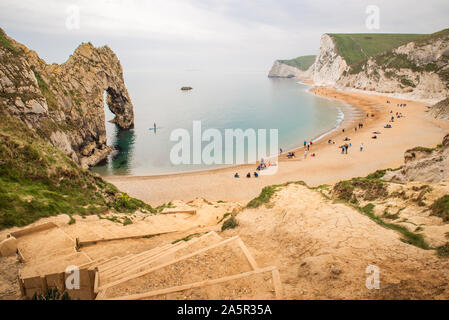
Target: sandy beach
(328, 166)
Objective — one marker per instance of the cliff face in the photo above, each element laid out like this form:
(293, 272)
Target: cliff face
(417, 70)
(282, 70)
(424, 164)
(440, 110)
(65, 103)
(329, 65)
(406, 65)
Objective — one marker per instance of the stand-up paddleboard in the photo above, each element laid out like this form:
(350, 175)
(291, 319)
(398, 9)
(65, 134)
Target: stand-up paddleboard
(154, 127)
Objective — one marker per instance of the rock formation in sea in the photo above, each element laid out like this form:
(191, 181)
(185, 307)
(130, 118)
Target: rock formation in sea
(65, 103)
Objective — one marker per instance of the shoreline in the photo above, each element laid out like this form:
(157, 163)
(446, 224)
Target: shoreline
(348, 115)
(327, 167)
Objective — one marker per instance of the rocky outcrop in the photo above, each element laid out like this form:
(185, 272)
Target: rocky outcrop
(417, 70)
(8, 247)
(329, 65)
(65, 103)
(423, 164)
(440, 110)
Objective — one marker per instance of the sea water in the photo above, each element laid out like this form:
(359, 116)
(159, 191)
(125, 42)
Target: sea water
(221, 100)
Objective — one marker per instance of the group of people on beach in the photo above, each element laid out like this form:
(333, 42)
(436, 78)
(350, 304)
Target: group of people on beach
(344, 147)
(248, 175)
(262, 166)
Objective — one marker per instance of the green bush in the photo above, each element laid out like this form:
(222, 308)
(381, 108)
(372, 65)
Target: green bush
(440, 208)
(231, 223)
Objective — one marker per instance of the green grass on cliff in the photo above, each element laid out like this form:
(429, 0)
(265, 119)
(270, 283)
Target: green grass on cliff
(4, 42)
(302, 63)
(37, 180)
(356, 47)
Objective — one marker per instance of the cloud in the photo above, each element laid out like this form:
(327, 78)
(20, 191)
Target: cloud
(235, 31)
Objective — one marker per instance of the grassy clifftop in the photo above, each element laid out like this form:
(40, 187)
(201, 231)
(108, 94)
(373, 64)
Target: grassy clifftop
(303, 63)
(37, 180)
(357, 47)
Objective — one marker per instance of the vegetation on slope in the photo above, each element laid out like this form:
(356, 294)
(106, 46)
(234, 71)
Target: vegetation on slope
(4, 42)
(267, 192)
(357, 47)
(302, 63)
(440, 207)
(37, 180)
(351, 192)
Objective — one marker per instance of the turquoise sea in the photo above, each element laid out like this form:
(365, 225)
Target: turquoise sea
(219, 100)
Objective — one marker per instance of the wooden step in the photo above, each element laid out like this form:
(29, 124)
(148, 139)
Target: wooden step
(136, 258)
(223, 259)
(55, 265)
(261, 284)
(179, 249)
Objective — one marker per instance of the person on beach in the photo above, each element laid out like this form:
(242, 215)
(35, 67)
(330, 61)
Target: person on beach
(256, 175)
(305, 154)
(308, 147)
(280, 150)
(305, 143)
(342, 149)
(346, 148)
(248, 175)
(236, 175)
(361, 147)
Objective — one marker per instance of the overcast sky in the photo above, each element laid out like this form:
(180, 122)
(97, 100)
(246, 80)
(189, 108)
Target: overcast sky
(204, 34)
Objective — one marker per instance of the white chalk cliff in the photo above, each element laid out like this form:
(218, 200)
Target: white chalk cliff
(282, 70)
(418, 70)
(329, 65)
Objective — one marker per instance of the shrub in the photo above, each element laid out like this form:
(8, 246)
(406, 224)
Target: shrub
(440, 207)
(231, 223)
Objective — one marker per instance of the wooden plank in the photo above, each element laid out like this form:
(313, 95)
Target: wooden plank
(56, 280)
(93, 242)
(21, 258)
(277, 284)
(137, 275)
(96, 282)
(22, 288)
(29, 230)
(145, 261)
(192, 285)
(44, 284)
(161, 255)
(100, 295)
(173, 248)
(92, 262)
(248, 255)
(132, 260)
(192, 212)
